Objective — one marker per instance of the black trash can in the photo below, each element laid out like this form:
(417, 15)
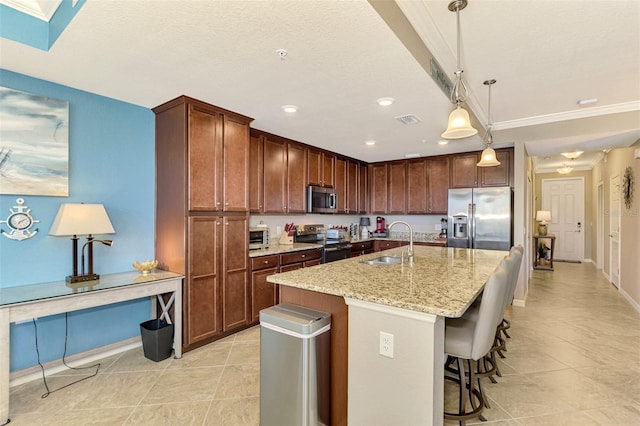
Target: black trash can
(157, 339)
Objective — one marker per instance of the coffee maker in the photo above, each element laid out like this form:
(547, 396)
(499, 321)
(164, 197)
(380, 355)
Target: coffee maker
(381, 227)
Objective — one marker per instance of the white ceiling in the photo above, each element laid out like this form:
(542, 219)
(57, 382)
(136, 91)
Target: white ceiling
(342, 56)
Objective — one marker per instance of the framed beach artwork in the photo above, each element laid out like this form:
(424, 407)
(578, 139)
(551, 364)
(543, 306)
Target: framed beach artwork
(34, 144)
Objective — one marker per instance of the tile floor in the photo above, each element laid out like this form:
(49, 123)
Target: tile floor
(573, 359)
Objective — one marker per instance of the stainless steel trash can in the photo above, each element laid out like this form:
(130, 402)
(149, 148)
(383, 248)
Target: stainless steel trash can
(295, 378)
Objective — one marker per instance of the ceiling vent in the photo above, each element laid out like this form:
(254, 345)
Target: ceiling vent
(408, 119)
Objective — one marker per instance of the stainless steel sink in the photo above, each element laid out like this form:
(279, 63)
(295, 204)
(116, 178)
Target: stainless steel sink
(384, 260)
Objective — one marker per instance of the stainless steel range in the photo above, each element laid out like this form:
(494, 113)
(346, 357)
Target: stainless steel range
(336, 248)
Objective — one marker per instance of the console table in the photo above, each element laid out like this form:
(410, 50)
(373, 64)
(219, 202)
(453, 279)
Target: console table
(39, 300)
(537, 264)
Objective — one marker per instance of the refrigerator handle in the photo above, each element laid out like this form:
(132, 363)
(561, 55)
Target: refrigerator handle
(470, 226)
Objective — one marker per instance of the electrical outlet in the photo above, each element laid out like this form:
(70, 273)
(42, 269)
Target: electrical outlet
(386, 344)
(438, 227)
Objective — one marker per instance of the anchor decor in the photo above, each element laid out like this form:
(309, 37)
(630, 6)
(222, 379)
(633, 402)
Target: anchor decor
(19, 222)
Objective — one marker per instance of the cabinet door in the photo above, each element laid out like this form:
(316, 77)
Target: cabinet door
(500, 175)
(464, 172)
(314, 167)
(202, 298)
(205, 159)
(235, 300)
(438, 185)
(296, 178)
(341, 184)
(397, 187)
(328, 170)
(353, 170)
(363, 189)
(378, 179)
(263, 293)
(235, 166)
(380, 245)
(291, 267)
(256, 175)
(275, 166)
(417, 186)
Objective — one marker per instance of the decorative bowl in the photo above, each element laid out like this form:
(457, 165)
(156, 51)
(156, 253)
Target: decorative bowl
(145, 266)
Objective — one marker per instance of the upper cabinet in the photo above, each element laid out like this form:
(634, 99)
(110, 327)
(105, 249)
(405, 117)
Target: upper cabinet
(378, 191)
(501, 175)
(437, 185)
(275, 167)
(320, 166)
(353, 190)
(363, 189)
(397, 194)
(417, 186)
(256, 174)
(215, 173)
(464, 171)
(340, 184)
(296, 178)
(466, 174)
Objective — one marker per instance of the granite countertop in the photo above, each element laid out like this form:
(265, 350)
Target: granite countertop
(442, 281)
(282, 248)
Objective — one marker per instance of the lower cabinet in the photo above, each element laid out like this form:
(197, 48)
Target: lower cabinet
(380, 245)
(265, 294)
(216, 292)
(361, 247)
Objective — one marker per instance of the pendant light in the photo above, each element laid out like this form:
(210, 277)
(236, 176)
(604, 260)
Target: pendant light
(488, 157)
(459, 123)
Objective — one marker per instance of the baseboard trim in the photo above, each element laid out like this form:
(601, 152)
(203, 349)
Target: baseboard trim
(29, 374)
(629, 299)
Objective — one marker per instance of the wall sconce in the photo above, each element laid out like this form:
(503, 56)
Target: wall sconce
(543, 216)
(82, 219)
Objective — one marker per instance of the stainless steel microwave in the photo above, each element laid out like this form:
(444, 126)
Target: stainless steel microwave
(321, 200)
(258, 238)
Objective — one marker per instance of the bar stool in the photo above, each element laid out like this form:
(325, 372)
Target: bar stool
(470, 340)
(516, 252)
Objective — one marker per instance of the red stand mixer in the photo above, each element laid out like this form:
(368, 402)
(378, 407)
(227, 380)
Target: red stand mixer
(381, 227)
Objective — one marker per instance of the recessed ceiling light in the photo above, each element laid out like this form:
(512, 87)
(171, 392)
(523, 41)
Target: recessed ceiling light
(442, 142)
(583, 102)
(289, 108)
(385, 101)
(370, 143)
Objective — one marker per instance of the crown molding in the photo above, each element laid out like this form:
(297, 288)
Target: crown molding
(41, 9)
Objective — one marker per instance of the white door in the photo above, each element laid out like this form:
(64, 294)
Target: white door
(614, 231)
(564, 198)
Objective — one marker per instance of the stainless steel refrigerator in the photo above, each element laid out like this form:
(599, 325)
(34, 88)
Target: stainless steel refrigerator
(481, 218)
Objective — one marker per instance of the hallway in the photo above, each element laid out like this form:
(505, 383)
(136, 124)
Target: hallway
(573, 359)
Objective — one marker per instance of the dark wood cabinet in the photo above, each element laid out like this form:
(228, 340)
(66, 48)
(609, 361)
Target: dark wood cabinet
(328, 169)
(464, 171)
(353, 170)
(360, 248)
(417, 186)
(380, 245)
(379, 188)
(296, 182)
(203, 318)
(263, 293)
(320, 167)
(202, 181)
(275, 166)
(340, 184)
(256, 174)
(500, 175)
(437, 185)
(363, 189)
(235, 265)
(397, 195)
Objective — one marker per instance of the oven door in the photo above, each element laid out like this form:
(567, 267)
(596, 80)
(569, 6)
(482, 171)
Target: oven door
(332, 254)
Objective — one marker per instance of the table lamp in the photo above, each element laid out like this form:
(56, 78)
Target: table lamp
(82, 219)
(543, 216)
(364, 231)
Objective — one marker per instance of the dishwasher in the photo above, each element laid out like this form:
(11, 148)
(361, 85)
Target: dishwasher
(295, 377)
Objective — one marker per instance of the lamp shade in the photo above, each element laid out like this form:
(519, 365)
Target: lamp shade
(543, 215)
(365, 221)
(81, 219)
(488, 158)
(459, 125)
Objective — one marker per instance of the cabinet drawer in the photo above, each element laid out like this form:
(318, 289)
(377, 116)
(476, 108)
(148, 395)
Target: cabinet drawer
(263, 262)
(358, 247)
(299, 256)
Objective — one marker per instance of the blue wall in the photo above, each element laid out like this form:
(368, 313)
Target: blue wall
(111, 161)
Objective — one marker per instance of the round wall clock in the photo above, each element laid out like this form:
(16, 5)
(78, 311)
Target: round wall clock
(627, 187)
(19, 222)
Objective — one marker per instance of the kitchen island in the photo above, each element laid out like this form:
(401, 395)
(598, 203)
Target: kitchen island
(406, 301)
